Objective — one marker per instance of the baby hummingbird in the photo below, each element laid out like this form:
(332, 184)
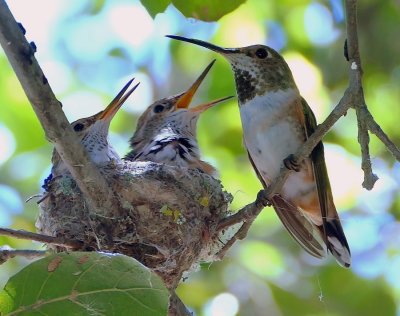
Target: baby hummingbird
(93, 134)
(166, 131)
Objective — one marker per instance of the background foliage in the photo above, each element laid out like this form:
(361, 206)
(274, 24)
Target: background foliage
(88, 50)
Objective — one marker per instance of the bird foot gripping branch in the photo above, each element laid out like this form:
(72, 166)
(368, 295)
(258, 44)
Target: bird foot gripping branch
(292, 163)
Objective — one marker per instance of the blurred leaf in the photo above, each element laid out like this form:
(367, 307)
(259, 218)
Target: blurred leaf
(336, 291)
(206, 10)
(261, 258)
(97, 6)
(154, 7)
(85, 283)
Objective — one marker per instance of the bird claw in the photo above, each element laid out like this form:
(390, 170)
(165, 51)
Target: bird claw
(291, 163)
(262, 199)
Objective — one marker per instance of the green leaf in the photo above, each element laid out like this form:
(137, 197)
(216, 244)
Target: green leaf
(206, 10)
(85, 283)
(155, 6)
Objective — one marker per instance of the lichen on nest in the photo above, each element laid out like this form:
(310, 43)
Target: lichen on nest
(165, 216)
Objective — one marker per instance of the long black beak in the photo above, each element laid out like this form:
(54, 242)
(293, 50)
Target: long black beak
(213, 47)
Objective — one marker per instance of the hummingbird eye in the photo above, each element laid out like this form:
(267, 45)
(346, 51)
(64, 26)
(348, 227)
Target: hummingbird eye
(78, 127)
(158, 108)
(261, 53)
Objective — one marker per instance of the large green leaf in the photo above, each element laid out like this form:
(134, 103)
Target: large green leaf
(84, 283)
(155, 6)
(206, 10)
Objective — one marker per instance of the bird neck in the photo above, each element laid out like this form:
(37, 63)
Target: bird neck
(250, 83)
(95, 142)
(182, 124)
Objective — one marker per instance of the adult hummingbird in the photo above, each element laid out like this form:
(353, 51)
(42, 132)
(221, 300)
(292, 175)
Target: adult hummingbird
(93, 134)
(166, 131)
(276, 121)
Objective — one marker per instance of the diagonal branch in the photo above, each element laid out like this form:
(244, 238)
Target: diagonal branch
(48, 110)
(374, 127)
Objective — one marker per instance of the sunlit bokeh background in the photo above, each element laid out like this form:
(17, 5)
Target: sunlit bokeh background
(89, 49)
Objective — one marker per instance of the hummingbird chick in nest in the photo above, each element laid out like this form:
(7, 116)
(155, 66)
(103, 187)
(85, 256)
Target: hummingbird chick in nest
(92, 131)
(166, 131)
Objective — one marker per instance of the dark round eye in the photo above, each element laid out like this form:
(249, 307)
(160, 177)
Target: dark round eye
(261, 53)
(78, 127)
(158, 108)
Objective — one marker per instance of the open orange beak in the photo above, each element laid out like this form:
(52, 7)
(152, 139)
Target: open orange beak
(117, 102)
(185, 99)
(202, 107)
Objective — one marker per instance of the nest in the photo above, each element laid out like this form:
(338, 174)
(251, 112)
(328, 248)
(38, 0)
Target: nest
(165, 217)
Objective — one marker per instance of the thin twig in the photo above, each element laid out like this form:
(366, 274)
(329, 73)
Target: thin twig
(365, 120)
(244, 214)
(377, 130)
(58, 241)
(6, 254)
(359, 102)
(48, 110)
(363, 138)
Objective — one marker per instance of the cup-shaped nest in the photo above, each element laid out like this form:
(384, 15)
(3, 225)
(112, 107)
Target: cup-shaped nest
(165, 217)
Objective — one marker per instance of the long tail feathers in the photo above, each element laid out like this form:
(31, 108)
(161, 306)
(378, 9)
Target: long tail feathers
(312, 237)
(337, 243)
(300, 227)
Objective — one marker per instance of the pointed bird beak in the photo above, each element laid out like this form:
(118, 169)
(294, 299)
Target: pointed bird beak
(117, 102)
(215, 48)
(185, 99)
(202, 107)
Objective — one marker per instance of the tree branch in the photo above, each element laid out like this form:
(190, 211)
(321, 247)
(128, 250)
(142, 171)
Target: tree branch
(58, 241)
(176, 306)
(363, 138)
(359, 101)
(6, 254)
(365, 120)
(48, 110)
(377, 130)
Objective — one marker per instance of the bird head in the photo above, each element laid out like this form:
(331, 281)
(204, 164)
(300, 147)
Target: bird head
(173, 114)
(258, 69)
(92, 131)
